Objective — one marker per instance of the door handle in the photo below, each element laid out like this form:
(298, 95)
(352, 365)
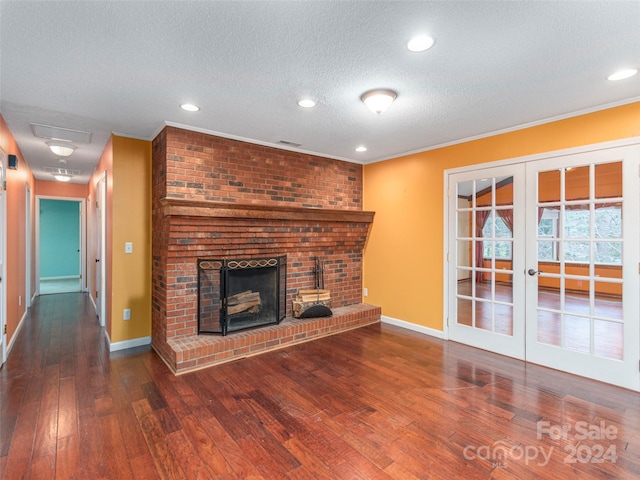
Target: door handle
(97, 260)
(533, 272)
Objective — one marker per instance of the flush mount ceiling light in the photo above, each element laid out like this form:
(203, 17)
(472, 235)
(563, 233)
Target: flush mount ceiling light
(622, 74)
(420, 43)
(361, 148)
(379, 100)
(61, 149)
(62, 177)
(307, 103)
(189, 107)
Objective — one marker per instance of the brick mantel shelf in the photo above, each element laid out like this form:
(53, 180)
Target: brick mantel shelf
(201, 208)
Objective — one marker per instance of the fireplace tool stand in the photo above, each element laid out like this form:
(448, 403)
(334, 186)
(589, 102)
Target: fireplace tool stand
(315, 302)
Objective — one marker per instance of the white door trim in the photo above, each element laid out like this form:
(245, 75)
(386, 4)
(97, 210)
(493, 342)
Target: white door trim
(3, 256)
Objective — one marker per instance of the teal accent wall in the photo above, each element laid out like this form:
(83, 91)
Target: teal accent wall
(59, 238)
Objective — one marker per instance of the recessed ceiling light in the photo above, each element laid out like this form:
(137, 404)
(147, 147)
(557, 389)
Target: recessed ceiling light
(189, 107)
(361, 148)
(307, 103)
(420, 43)
(622, 74)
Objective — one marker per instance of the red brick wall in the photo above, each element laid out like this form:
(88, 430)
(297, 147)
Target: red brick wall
(202, 167)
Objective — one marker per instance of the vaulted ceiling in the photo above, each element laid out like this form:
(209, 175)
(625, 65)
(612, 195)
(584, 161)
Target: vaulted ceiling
(126, 67)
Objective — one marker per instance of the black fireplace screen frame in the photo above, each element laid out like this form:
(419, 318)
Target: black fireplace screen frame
(217, 279)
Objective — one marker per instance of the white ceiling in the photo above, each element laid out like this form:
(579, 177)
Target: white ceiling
(126, 66)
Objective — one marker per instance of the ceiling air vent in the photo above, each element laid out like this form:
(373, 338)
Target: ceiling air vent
(61, 134)
(289, 144)
(61, 171)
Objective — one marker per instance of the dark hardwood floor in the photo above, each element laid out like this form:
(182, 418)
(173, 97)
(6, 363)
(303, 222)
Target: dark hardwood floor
(373, 403)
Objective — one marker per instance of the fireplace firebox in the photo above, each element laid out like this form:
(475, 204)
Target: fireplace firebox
(241, 293)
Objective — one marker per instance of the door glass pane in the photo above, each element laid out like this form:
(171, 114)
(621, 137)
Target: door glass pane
(549, 292)
(504, 223)
(549, 186)
(484, 315)
(504, 287)
(577, 221)
(464, 314)
(608, 339)
(547, 251)
(608, 253)
(608, 300)
(484, 192)
(463, 255)
(464, 224)
(577, 300)
(576, 252)
(484, 287)
(549, 327)
(464, 281)
(608, 221)
(577, 333)
(503, 319)
(504, 191)
(576, 183)
(465, 190)
(608, 179)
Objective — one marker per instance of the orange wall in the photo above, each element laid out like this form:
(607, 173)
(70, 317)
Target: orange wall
(403, 261)
(16, 259)
(61, 189)
(127, 163)
(131, 222)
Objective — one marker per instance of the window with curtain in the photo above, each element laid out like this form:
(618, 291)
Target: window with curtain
(576, 224)
(502, 230)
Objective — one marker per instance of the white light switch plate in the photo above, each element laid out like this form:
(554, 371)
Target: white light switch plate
(128, 247)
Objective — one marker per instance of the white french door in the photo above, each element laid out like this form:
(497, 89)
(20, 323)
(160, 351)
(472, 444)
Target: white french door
(544, 262)
(486, 258)
(583, 254)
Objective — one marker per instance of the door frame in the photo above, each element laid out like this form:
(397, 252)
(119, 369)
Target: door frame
(3, 256)
(81, 237)
(28, 243)
(633, 141)
(100, 231)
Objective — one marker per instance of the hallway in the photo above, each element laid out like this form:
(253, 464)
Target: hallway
(376, 402)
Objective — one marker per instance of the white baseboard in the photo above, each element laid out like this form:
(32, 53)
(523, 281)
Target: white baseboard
(15, 334)
(412, 326)
(135, 342)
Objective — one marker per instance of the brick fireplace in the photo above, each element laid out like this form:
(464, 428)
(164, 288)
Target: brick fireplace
(220, 198)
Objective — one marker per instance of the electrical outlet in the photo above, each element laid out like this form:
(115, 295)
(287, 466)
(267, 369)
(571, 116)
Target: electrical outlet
(126, 315)
(365, 292)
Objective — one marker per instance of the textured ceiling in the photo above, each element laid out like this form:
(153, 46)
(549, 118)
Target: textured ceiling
(125, 67)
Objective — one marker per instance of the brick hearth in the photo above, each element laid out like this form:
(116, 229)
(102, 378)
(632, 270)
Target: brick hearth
(220, 198)
(194, 352)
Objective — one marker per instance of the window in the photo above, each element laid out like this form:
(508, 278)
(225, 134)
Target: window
(548, 229)
(503, 247)
(576, 226)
